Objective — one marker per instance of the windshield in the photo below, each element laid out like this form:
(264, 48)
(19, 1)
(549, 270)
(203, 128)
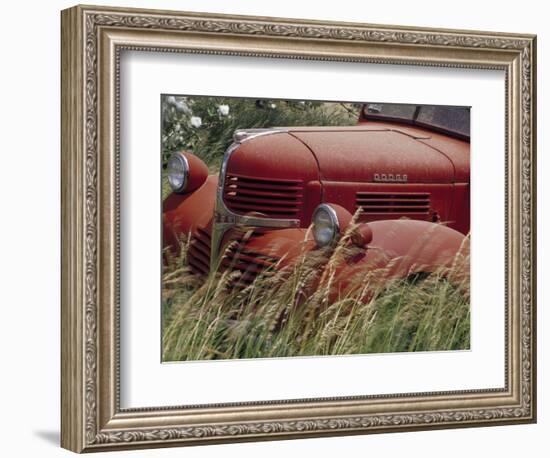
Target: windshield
(448, 119)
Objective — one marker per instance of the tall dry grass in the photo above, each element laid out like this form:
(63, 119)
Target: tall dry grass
(290, 312)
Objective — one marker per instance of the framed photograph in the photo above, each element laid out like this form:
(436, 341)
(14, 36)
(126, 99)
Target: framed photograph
(277, 228)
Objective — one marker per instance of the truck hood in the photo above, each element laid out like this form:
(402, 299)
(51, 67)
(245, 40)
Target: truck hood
(365, 154)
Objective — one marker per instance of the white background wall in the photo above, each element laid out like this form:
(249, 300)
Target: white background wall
(29, 226)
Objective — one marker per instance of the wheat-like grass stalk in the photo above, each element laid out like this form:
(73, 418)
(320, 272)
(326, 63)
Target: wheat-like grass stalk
(279, 314)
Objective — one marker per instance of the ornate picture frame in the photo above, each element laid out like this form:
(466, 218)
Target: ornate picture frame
(93, 39)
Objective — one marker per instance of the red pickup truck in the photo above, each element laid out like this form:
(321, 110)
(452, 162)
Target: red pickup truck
(396, 185)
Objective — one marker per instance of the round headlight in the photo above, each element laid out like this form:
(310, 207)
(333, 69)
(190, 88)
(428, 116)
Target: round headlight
(325, 225)
(178, 172)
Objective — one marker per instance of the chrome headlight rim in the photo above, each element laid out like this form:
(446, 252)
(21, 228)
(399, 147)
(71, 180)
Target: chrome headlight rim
(335, 225)
(179, 157)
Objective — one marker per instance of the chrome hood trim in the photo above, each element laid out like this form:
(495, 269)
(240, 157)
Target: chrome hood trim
(224, 218)
(242, 135)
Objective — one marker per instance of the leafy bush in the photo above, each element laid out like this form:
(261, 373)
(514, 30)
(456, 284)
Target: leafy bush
(205, 125)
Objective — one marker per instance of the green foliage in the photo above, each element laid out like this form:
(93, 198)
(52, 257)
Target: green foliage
(221, 116)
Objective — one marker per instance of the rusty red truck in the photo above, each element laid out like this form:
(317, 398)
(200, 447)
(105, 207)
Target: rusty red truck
(401, 177)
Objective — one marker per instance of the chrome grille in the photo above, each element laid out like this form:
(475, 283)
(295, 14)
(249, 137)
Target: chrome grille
(248, 262)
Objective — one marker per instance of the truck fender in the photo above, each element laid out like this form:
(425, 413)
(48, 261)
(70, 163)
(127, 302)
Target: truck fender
(401, 248)
(183, 213)
(398, 249)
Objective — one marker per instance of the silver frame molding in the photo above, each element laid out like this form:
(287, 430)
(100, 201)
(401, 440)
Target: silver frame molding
(92, 41)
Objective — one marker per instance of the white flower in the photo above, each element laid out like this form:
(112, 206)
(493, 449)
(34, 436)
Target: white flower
(179, 105)
(272, 106)
(223, 110)
(182, 107)
(195, 121)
